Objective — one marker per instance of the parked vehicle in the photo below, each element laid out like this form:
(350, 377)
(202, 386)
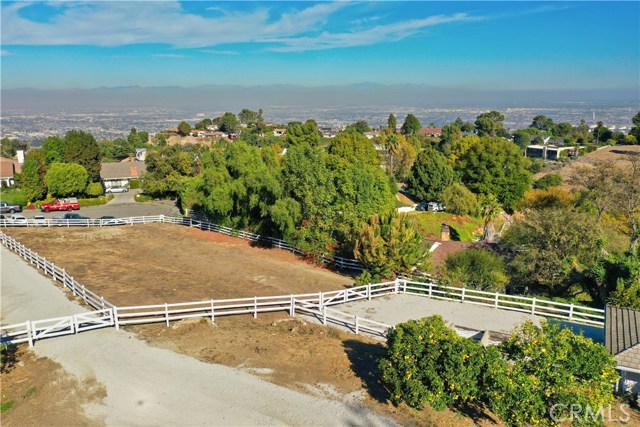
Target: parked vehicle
(39, 221)
(431, 207)
(61, 205)
(18, 219)
(9, 208)
(116, 190)
(74, 216)
(111, 220)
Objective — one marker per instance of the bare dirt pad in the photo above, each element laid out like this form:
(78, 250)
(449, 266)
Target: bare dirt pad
(615, 154)
(43, 393)
(300, 355)
(158, 263)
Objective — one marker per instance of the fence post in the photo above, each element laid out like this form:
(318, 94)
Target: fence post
(533, 306)
(64, 277)
(463, 289)
(368, 291)
(395, 285)
(571, 312)
(37, 264)
(29, 335)
(430, 289)
(102, 302)
(292, 310)
(320, 300)
(356, 325)
(213, 317)
(116, 321)
(255, 307)
(166, 312)
(404, 286)
(495, 302)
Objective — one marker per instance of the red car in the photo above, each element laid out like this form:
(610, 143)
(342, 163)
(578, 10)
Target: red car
(60, 205)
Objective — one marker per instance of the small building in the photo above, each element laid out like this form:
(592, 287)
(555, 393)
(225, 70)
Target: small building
(141, 154)
(550, 152)
(430, 132)
(8, 169)
(120, 174)
(215, 134)
(622, 339)
(279, 131)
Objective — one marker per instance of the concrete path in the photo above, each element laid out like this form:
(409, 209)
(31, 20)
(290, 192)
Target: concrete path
(394, 309)
(152, 386)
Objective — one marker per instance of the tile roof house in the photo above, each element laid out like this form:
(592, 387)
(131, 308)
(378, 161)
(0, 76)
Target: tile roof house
(8, 168)
(430, 132)
(622, 339)
(121, 173)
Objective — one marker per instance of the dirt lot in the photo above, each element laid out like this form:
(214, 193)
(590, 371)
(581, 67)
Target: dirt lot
(43, 393)
(614, 153)
(158, 263)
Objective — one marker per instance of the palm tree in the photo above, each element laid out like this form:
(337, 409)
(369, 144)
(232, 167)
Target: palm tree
(491, 210)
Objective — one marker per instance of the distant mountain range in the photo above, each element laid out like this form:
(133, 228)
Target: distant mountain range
(233, 98)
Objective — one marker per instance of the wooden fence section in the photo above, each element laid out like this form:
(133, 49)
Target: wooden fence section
(56, 273)
(31, 331)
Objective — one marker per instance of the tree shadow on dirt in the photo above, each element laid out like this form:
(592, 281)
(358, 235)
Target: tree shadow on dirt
(364, 359)
(8, 357)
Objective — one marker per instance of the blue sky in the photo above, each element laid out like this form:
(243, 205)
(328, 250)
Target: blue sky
(483, 45)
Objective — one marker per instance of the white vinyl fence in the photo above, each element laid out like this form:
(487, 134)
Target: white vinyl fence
(315, 304)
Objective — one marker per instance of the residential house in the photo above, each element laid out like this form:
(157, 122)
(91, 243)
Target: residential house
(8, 169)
(279, 131)
(120, 174)
(430, 132)
(215, 134)
(622, 339)
(550, 152)
(141, 154)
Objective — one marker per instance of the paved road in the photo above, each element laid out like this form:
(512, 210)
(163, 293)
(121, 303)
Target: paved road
(122, 205)
(151, 386)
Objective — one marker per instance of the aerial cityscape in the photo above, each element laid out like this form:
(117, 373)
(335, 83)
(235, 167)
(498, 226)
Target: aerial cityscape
(331, 213)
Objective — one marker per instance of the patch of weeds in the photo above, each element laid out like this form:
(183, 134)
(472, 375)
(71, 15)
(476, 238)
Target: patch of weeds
(29, 393)
(6, 406)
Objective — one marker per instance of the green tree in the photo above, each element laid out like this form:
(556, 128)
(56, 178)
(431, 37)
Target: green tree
(33, 182)
(635, 130)
(544, 250)
(601, 133)
(203, 124)
(474, 268)
(361, 126)
(390, 244)
(495, 166)
(552, 366)
(303, 133)
(82, 148)
(614, 279)
(522, 138)
(548, 181)
(9, 147)
(161, 140)
(562, 130)
(459, 200)
(411, 125)
(430, 174)
(248, 117)
(392, 122)
(66, 179)
(184, 128)
(354, 146)
(229, 123)
(54, 148)
(94, 189)
(490, 124)
(543, 123)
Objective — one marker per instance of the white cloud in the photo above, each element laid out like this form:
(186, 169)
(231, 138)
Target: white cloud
(366, 20)
(121, 23)
(220, 52)
(167, 55)
(117, 23)
(378, 34)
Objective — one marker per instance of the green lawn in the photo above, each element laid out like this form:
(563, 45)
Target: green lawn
(463, 228)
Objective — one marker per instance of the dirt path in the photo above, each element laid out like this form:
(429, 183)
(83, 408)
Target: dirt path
(152, 386)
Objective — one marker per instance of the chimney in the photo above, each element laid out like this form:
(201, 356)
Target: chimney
(445, 235)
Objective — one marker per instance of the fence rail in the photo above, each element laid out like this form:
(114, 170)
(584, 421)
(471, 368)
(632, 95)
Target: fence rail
(316, 304)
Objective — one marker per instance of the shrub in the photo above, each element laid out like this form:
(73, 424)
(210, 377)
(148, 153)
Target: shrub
(475, 268)
(134, 184)
(14, 197)
(428, 362)
(459, 200)
(548, 181)
(96, 201)
(94, 189)
(552, 366)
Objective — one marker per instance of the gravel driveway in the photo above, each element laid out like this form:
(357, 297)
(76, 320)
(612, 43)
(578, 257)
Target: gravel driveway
(151, 386)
